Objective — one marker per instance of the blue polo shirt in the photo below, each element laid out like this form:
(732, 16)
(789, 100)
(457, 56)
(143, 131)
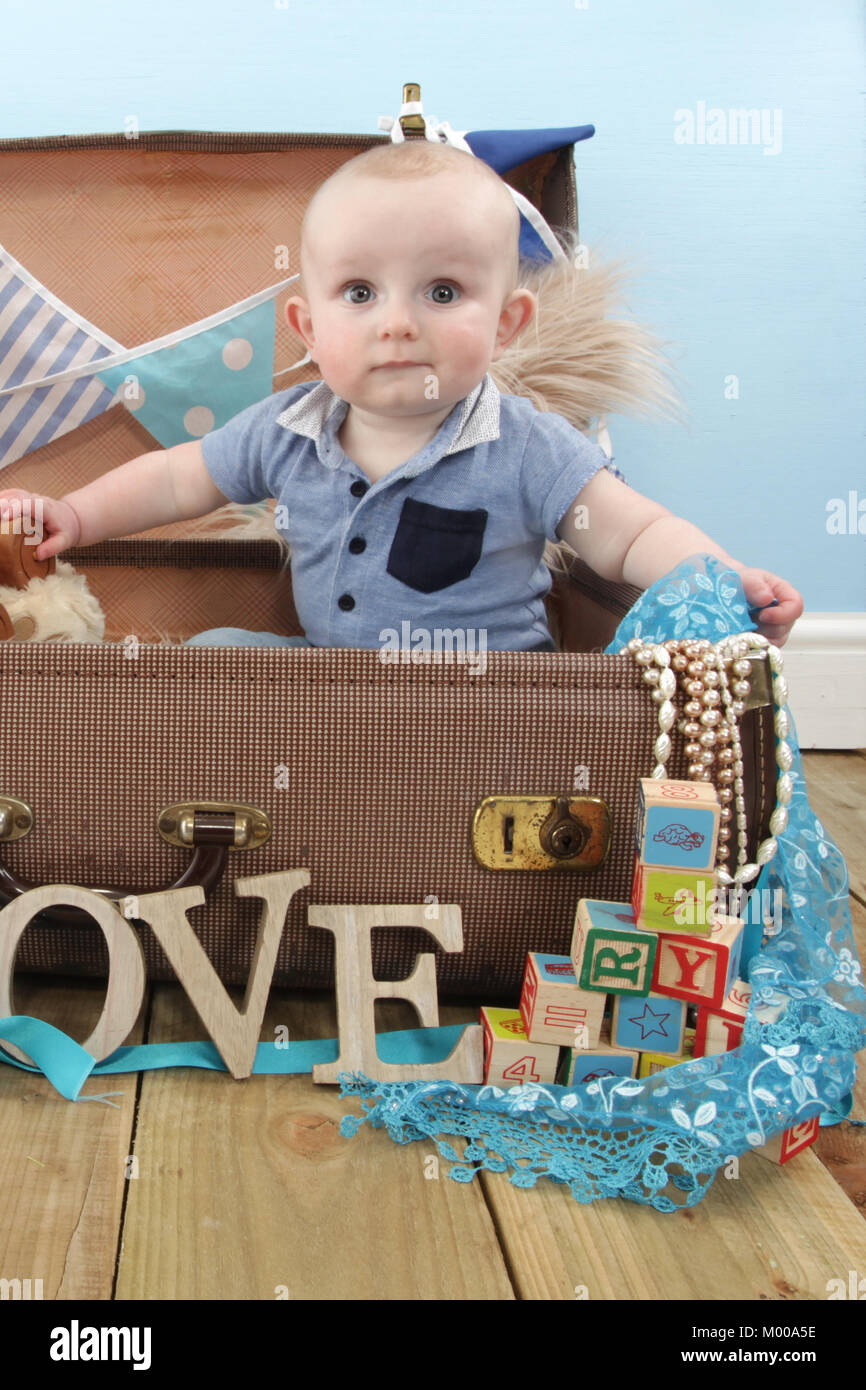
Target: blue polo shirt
(452, 539)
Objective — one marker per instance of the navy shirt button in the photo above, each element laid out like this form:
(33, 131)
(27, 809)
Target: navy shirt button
(346, 602)
(357, 544)
(358, 488)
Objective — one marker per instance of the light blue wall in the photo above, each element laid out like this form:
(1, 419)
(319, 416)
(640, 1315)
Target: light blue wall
(751, 263)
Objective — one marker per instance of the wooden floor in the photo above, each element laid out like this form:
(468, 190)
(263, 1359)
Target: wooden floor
(200, 1187)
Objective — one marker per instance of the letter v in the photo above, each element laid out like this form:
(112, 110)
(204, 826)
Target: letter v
(235, 1033)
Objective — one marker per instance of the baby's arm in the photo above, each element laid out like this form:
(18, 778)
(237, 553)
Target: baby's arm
(627, 538)
(154, 489)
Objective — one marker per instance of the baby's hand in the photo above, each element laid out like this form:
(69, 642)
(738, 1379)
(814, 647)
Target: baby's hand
(774, 623)
(53, 524)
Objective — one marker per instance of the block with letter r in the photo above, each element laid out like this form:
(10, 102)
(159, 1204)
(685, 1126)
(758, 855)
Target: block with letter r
(610, 953)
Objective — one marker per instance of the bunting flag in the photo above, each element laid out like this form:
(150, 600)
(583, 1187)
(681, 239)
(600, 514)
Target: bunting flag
(184, 387)
(40, 337)
(57, 370)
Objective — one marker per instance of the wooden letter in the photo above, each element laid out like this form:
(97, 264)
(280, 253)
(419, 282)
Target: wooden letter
(357, 992)
(235, 1033)
(125, 962)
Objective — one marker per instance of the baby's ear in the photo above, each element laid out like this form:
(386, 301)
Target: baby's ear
(517, 312)
(299, 318)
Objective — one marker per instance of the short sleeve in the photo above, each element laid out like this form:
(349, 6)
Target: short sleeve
(558, 462)
(239, 456)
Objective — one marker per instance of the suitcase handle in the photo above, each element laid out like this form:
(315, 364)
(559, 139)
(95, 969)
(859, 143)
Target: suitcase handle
(213, 834)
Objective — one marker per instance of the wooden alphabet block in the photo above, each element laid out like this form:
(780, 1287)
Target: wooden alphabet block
(720, 1029)
(510, 1059)
(554, 1009)
(677, 824)
(580, 1065)
(654, 1024)
(651, 1062)
(608, 952)
(673, 899)
(700, 970)
(785, 1146)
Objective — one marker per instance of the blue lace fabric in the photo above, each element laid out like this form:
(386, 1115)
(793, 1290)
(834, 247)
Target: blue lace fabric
(661, 1140)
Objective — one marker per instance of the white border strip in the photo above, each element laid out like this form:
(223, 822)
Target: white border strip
(18, 269)
(825, 666)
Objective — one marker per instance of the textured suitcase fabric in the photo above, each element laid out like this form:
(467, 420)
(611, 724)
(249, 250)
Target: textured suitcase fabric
(370, 776)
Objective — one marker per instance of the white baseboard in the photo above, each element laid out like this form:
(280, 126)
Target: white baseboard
(825, 667)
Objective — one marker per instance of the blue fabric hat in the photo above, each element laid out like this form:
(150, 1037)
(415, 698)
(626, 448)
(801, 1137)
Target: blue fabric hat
(505, 149)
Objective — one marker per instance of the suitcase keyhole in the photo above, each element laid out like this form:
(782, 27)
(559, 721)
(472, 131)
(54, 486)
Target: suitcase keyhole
(561, 835)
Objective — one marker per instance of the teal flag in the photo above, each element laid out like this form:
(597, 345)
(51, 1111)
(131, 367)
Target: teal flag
(197, 384)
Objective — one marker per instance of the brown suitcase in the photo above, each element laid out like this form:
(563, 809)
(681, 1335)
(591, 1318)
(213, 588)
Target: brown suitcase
(370, 776)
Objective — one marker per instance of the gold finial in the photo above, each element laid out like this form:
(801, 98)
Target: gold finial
(412, 124)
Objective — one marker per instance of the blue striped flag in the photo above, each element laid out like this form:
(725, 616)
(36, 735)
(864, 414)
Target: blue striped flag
(40, 337)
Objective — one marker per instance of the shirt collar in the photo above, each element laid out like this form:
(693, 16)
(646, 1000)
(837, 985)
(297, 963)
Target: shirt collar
(319, 413)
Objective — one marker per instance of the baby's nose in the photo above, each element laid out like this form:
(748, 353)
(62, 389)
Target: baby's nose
(397, 316)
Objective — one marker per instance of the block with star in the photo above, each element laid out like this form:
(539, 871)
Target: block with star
(554, 1009)
(677, 824)
(580, 1065)
(700, 970)
(785, 1146)
(510, 1059)
(608, 951)
(673, 900)
(652, 1024)
(651, 1062)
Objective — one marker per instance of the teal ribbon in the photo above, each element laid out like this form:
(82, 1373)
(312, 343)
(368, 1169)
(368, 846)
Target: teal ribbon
(67, 1065)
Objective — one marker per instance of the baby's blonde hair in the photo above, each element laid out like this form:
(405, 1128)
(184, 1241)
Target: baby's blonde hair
(417, 159)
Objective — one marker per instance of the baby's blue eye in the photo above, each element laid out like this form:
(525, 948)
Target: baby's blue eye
(449, 291)
(365, 291)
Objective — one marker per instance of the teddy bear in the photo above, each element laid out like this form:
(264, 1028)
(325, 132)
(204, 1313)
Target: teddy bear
(44, 600)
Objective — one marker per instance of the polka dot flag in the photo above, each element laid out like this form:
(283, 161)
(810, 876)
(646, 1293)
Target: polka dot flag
(183, 391)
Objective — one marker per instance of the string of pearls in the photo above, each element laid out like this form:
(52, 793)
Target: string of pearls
(709, 721)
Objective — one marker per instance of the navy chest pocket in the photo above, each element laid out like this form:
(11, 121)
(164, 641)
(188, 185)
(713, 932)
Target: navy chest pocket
(435, 547)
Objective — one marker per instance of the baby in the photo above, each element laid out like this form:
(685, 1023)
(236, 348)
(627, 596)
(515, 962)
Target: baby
(410, 491)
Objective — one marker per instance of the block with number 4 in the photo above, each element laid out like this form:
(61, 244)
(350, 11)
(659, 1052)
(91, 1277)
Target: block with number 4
(510, 1059)
(677, 824)
(608, 952)
(552, 1007)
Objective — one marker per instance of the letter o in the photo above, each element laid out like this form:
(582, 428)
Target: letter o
(126, 972)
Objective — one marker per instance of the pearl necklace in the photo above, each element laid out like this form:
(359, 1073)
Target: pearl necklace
(709, 722)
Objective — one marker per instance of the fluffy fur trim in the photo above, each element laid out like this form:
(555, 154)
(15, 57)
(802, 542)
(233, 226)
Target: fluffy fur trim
(59, 608)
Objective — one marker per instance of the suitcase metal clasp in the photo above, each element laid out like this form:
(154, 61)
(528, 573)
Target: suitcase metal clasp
(541, 832)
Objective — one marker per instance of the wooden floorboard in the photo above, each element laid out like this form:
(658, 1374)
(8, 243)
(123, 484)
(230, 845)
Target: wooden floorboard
(63, 1167)
(247, 1190)
(836, 788)
(769, 1234)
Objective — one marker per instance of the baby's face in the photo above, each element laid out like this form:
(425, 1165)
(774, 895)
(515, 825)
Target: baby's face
(418, 273)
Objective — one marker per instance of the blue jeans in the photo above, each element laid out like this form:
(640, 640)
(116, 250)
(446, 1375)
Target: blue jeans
(241, 637)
